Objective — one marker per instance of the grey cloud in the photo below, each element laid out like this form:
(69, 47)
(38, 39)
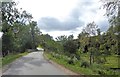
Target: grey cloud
(75, 13)
(82, 8)
(53, 24)
(86, 5)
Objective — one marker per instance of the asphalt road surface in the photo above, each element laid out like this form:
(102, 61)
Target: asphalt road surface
(33, 64)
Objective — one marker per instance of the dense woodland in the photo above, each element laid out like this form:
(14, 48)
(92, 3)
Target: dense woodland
(20, 33)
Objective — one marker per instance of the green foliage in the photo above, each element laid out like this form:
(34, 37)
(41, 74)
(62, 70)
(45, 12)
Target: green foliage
(18, 35)
(84, 64)
(71, 61)
(70, 46)
(92, 46)
(78, 57)
(94, 69)
(49, 44)
(112, 7)
(62, 39)
(11, 57)
(101, 72)
(39, 46)
(112, 61)
(100, 60)
(91, 29)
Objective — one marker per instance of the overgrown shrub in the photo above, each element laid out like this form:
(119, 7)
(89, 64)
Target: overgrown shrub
(78, 57)
(74, 59)
(84, 64)
(101, 72)
(100, 60)
(66, 58)
(53, 54)
(70, 46)
(71, 61)
(56, 55)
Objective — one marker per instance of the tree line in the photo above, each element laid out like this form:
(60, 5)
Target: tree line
(20, 32)
(92, 40)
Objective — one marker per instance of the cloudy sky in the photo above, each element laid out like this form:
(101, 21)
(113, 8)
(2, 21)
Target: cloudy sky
(65, 17)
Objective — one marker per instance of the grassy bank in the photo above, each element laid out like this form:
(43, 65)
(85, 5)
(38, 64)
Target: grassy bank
(94, 69)
(12, 57)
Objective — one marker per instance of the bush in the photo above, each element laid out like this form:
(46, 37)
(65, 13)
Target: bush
(100, 60)
(73, 56)
(66, 58)
(56, 55)
(75, 59)
(84, 64)
(70, 46)
(53, 54)
(78, 57)
(101, 72)
(71, 61)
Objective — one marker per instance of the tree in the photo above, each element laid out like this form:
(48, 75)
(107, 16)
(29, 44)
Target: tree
(9, 17)
(7, 9)
(91, 29)
(33, 24)
(49, 44)
(113, 12)
(98, 32)
(62, 39)
(112, 7)
(70, 46)
(15, 26)
(70, 37)
(83, 41)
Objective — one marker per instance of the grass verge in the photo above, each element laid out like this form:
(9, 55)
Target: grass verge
(12, 57)
(74, 68)
(94, 69)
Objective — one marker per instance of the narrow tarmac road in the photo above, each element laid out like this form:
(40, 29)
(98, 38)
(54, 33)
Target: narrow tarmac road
(33, 64)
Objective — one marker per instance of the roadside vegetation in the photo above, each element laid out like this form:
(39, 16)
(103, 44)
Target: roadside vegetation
(12, 57)
(82, 66)
(92, 53)
(20, 33)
